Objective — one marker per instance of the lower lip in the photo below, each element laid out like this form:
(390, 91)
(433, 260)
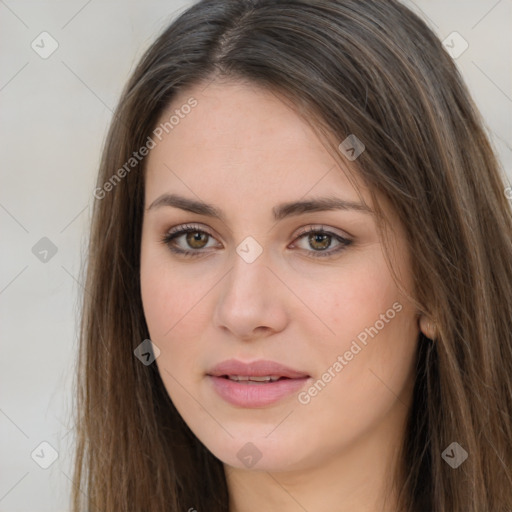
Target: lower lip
(255, 395)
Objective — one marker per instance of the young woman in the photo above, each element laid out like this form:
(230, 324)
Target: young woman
(299, 281)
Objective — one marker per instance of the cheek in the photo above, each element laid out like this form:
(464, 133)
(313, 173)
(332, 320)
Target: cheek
(345, 302)
(171, 309)
(176, 319)
(353, 395)
(364, 320)
(170, 294)
(175, 303)
(157, 301)
(163, 306)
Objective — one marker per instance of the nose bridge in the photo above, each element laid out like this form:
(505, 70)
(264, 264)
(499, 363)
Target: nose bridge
(246, 281)
(248, 299)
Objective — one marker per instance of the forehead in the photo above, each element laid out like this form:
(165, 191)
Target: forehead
(242, 139)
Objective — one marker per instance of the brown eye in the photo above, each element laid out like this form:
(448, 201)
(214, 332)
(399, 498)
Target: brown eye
(197, 239)
(191, 241)
(319, 241)
(187, 240)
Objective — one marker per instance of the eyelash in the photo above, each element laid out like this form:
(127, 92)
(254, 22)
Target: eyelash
(181, 230)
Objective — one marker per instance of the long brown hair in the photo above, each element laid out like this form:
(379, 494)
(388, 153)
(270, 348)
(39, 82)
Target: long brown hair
(369, 68)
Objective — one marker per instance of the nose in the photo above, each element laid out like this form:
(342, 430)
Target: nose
(251, 303)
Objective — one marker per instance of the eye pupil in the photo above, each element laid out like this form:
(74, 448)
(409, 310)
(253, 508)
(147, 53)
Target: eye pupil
(193, 237)
(321, 238)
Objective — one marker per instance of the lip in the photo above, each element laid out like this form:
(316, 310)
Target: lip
(255, 368)
(254, 395)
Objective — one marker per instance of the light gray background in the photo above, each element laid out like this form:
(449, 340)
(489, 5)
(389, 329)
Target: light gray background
(55, 113)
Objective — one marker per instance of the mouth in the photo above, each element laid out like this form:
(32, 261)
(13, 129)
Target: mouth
(252, 379)
(257, 384)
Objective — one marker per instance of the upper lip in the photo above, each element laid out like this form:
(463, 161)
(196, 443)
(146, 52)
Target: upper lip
(260, 368)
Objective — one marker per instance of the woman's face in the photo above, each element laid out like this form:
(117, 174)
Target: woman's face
(304, 287)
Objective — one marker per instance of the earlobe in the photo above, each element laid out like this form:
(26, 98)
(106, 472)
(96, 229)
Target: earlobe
(427, 327)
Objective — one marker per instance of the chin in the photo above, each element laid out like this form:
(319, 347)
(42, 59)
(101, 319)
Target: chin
(259, 453)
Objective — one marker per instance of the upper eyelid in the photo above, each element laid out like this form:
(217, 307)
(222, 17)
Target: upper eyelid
(323, 228)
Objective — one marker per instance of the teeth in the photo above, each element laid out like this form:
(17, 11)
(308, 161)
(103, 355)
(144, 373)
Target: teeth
(270, 378)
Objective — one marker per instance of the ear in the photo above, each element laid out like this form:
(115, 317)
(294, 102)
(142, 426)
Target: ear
(427, 327)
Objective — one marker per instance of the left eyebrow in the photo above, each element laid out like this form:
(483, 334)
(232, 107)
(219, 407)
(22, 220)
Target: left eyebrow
(280, 211)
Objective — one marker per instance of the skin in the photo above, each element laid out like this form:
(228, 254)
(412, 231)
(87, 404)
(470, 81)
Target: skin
(243, 150)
